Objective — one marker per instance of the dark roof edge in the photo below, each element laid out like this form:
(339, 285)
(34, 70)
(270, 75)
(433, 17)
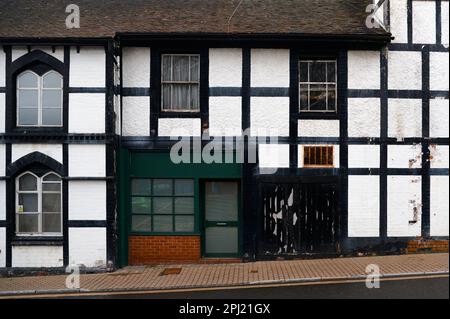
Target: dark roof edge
(380, 39)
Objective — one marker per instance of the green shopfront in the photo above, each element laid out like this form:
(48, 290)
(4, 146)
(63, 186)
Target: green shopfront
(177, 212)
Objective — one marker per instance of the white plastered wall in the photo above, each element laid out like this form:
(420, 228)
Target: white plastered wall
(404, 206)
(404, 118)
(363, 156)
(87, 160)
(364, 70)
(363, 117)
(439, 118)
(439, 209)
(87, 246)
(445, 22)
(405, 156)
(2, 247)
(363, 206)
(37, 256)
(87, 113)
(424, 14)
(2, 67)
(2, 159)
(17, 52)
(405, 70)
(225, 116)
(273, 156)
(136, 116)
(269, 116)
(399, 20)
(136, 67)
(318, 128)
(87, 67)
(439, 156)
(225, 67)
(270, 68)
(87, 200)
(173, 127)
(439, 71)
(2, 200)
(54, 151)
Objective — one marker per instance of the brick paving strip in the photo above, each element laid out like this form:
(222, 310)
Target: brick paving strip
(231, 275)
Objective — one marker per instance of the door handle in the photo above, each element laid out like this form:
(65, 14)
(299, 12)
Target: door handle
(221, 224)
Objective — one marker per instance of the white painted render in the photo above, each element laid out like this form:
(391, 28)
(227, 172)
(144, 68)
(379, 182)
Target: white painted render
(404, 118)
(363, 117)
(87, 68)
(363, 206)
(405, 70)
(439, 71)
(225, 67)
(399, 20)
(445, 22)
(363, 156)
(117, 111)
(225, 116)
(178, 127)
(2, 159)
(2, 112)
(87, 246)
(2, 200)
(87, 160)
(439, 156)
(37, 256)
(273, 156)
(364, 70)
(2, 247)
(136, 116)
(404, 206)
(318, 128)
(336, 154)
(87, 200)
(54, 151)
(2, 67)
(439, 209)
(87, 113)
(269, 116)
(270, 68)
(439, 118)
(424, 14)
(136, 67)
(17, 52)
(405, 156)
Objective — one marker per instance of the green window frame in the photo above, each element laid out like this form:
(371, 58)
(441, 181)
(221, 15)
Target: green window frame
(162, 206)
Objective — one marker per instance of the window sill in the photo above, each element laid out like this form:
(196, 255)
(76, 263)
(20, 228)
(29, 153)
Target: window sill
(318, 116)
(37, 241)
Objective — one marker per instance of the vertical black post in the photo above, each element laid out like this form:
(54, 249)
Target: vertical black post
(383, 143)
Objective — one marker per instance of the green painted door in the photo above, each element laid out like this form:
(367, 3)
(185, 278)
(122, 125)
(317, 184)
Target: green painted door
(221, 205)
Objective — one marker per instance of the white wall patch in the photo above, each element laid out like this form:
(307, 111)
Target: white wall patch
(424, 14)
(2, 200)
(364, 70)
(18, 52)
(405, 156)
(318, 128)
(54, 151)
(225, 116)
(445, 22)
(405, 70)
(439, 155)
(136, 116)
(439, 210)
(363, 156)
(363, 206)
(87, 160)
(87, 67)
(87, 247)
(179, 127)
(270, 68)
(269, 116)
(399, 20)
(225, 67)
(2, 112)
(273, 156)
(136, 67)
(405, 118)
(2, 247)
(87, 113)
(87, 200)
(2, 160)
(439, 71)
(2, 67)
(363, 117)
(439, 118)
(37, 256)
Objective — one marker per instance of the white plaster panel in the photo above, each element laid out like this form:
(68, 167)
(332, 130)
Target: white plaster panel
(87, 68)
(399, 20)
(136, 116)
(445, 22)
(179, 127)
(225, 67)
(269, 116)
(2, 159)
(439, 71)
(51, 150)
(405, 156)
(2, 247)
(87, 200)
(87, 247)
(136, 67)
(363, 206)
(270, 68)
(364, 117)
(318, 128)
(439, 118)
(17, 52)
(439, 156)
(37, 256)
(273, 156)
(439, 208)
(364, 70)
(404, 118)
(2, 112)
(405, 70)
(2, 200)
(404, 206)
(424, 16)
(364, 156)
(117, 111)
(2, 67)
(225, 116)
(336, 154)
(87, 160)
(87, 113)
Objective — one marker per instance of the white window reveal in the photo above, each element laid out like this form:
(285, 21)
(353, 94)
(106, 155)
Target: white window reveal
(180, 82)
(39, 99)
(38, 204)
(318, 85)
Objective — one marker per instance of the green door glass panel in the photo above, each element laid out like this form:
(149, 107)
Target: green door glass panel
(221, 240)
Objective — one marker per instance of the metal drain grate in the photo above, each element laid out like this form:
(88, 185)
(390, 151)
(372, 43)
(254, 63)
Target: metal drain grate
(170, 271)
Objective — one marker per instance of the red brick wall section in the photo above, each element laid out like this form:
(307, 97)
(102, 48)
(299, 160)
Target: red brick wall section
(145, 250)
(422, 246)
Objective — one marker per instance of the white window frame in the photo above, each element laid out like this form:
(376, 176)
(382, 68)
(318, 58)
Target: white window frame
(40, 88)
(163, 82)
(309, 83)
(39, 192)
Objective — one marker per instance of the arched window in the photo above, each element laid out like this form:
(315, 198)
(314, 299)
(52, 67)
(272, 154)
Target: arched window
(38, 204)
(39, 99)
